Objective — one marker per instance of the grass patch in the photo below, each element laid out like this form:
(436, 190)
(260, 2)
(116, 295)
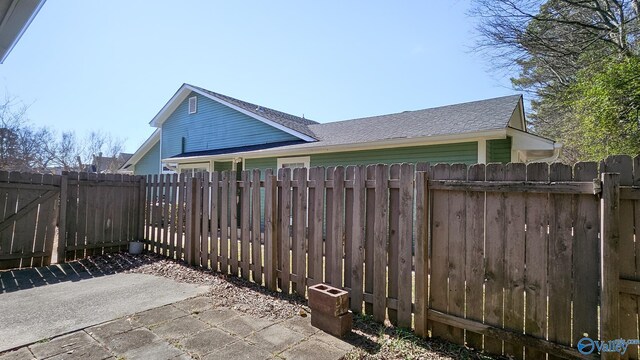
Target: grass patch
(373, 340)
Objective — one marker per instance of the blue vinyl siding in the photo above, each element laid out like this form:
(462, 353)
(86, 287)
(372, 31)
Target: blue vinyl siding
(150, 162)
(214, 126)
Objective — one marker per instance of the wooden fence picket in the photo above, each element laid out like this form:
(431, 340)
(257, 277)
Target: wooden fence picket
(245, 219)
(560, 260)
(256, 246)
(284, 221)
(205, 238)
(224, 223)
(405, 247)
(233, 222)
(439, 250)
(369, 253)
(357, 238)
(337, 228)
(214, 215)
(393, 242)
(514, 258)
(537, 218)
(474, 253)
(494, 255)
(299, 230)
(381, 226)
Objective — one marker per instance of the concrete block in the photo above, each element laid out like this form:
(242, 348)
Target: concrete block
(328, 300)
(335, 325)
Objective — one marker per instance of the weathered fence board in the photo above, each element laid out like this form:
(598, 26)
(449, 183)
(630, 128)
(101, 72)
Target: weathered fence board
(514, 259)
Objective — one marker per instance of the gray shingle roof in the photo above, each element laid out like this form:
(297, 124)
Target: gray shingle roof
(293, 122)
(457, 119)
(482, 115)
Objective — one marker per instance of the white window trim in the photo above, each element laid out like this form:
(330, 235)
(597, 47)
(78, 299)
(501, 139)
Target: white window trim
(194, 166)
(306, 160)
(195, 105)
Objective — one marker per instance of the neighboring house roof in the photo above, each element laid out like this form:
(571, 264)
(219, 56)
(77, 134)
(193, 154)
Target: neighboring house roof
(107, 164)
(142, 150)
(483, 115)
(290, 121)
(291, 124)
(15, 17)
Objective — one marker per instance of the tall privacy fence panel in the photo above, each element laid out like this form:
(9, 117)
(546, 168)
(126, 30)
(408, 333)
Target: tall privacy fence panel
(515, 259)
(68, 217)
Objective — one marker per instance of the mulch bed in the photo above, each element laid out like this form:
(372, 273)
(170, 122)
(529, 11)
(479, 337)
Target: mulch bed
(372, 340)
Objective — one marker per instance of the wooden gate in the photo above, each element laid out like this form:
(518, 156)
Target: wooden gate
(28, 211)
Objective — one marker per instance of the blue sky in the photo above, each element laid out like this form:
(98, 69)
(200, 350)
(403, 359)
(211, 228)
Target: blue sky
(111, 65)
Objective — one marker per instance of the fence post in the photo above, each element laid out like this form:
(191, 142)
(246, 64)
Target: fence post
(62, 220)
(270, 209)
(609, 271)
(142, 203)
(422, 252)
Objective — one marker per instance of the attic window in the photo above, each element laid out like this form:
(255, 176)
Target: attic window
(193, 105)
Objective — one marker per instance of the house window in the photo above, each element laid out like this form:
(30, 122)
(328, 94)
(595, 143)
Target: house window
(294, 162)
(193, 104)
(193, 169)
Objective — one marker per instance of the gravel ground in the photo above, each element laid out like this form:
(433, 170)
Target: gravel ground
(372, 340)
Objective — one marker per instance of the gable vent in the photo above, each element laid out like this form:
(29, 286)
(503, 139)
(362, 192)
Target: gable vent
(193, 105)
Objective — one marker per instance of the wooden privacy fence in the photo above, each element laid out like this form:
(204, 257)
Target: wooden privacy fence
(522, 259)
(67, 216)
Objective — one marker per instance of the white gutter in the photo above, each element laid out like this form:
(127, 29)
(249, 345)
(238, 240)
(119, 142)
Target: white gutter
(557, 148)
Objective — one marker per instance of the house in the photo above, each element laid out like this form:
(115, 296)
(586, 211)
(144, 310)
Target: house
(200, 130)
(15, 17)
(106, 164)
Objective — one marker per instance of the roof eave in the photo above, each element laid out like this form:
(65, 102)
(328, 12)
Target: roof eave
(19, 16)
(143, 149)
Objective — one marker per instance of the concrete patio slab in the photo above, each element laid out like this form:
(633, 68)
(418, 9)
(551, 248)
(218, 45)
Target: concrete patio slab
(207, 341)
(170, 332)
(67, 306)
(276, 338)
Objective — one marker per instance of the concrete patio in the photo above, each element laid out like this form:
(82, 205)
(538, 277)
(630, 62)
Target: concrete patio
(190, 329)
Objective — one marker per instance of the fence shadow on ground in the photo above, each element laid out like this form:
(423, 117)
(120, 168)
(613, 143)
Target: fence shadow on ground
(89, 268)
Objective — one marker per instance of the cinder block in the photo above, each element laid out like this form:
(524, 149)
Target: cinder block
(335, 325)
(328, 300)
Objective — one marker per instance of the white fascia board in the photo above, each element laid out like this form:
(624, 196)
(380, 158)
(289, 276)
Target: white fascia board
(170, 106)
(393, 143)
(526, 141)
(144, 148)
(182, 93)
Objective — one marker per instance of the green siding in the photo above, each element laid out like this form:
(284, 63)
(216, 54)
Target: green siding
(222, 165)
(150, 162)
(499, 150)
(262, 164)
(447, 153)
